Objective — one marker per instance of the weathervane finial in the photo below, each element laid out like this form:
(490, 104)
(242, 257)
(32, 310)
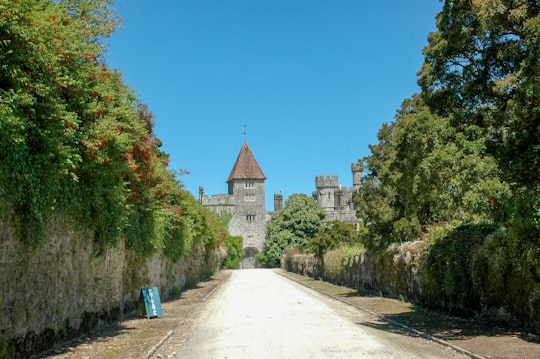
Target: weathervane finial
(245, 132)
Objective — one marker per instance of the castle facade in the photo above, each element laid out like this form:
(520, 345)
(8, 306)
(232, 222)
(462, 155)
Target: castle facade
(337, 200)
(244, 204)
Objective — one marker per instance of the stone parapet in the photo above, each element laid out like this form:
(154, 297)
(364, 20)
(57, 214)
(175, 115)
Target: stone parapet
(326, 181)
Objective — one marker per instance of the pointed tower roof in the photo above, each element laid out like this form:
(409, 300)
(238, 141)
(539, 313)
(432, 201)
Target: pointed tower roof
(246, 166)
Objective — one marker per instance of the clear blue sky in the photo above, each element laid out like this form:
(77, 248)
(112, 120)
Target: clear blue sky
(313, 81)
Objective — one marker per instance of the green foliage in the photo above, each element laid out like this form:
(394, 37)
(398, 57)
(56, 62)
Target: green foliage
(262, 260)
(225, 218)
(4, 346)
(462, 159)
(481, 72)
(523, 211)
(508, 277)
(449, 262)
(423, 172)
(481, 68)
(289, 260)
(331, 236)
(44, 66)
(76, 140)
(235, 251)
(298, 222)
(191, 226)
(338, 261)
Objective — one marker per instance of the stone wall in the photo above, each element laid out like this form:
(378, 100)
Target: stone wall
(400, 272)
(62, 288)
(394, 273)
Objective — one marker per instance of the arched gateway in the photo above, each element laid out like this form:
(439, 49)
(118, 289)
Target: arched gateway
(248, 260)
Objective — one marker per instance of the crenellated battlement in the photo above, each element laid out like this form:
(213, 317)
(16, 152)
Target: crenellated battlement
(337, 200)
(326, 181)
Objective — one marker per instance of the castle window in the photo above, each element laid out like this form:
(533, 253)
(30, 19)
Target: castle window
(250, 240)
(249, 184)
(250, 217)
(250, 198)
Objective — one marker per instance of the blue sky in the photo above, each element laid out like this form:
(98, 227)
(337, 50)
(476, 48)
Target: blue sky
(312, 81)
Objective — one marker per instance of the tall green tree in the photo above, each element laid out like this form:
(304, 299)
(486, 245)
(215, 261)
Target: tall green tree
(299, 221)
(422, 172)
(460, 163)
(481, 68)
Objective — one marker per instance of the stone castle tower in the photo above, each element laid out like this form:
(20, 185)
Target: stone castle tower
(245, 201)
(337, 200)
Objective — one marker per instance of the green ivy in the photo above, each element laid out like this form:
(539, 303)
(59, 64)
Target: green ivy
(76, 141)
(235, 251)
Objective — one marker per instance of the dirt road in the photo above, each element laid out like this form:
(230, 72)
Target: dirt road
(258, 311)
(259, 314)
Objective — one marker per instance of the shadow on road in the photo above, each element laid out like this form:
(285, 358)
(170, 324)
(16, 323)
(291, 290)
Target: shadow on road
(133, 335)
(476, 335)
(447, 328)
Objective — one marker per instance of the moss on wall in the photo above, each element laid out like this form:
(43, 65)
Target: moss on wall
(61, 288)
(482, 280)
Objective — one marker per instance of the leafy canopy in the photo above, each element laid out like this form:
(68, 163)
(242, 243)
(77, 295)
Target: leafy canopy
(481, 68)
(466, 149)
(333, 235)
(76, 140)
(424, 171)
(298, 222)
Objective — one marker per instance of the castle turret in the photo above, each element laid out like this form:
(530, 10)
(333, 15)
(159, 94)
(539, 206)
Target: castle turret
(337, 200)
(357, 170)
(278, 202)
(325, 188)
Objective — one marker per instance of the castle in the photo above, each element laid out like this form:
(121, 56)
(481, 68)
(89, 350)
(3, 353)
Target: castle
(337, 200)
(244, 203)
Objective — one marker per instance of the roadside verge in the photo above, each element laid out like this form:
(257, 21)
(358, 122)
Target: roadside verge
(470, 336)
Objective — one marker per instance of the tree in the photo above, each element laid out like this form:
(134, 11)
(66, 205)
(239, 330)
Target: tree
(331, 236)
(75, 140)
(422, 172)
(299, 221)
(459, 166)
(50, 55)
(481, 68)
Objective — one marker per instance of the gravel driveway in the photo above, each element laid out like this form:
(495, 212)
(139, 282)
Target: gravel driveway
(259, 314)
(237, 313)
